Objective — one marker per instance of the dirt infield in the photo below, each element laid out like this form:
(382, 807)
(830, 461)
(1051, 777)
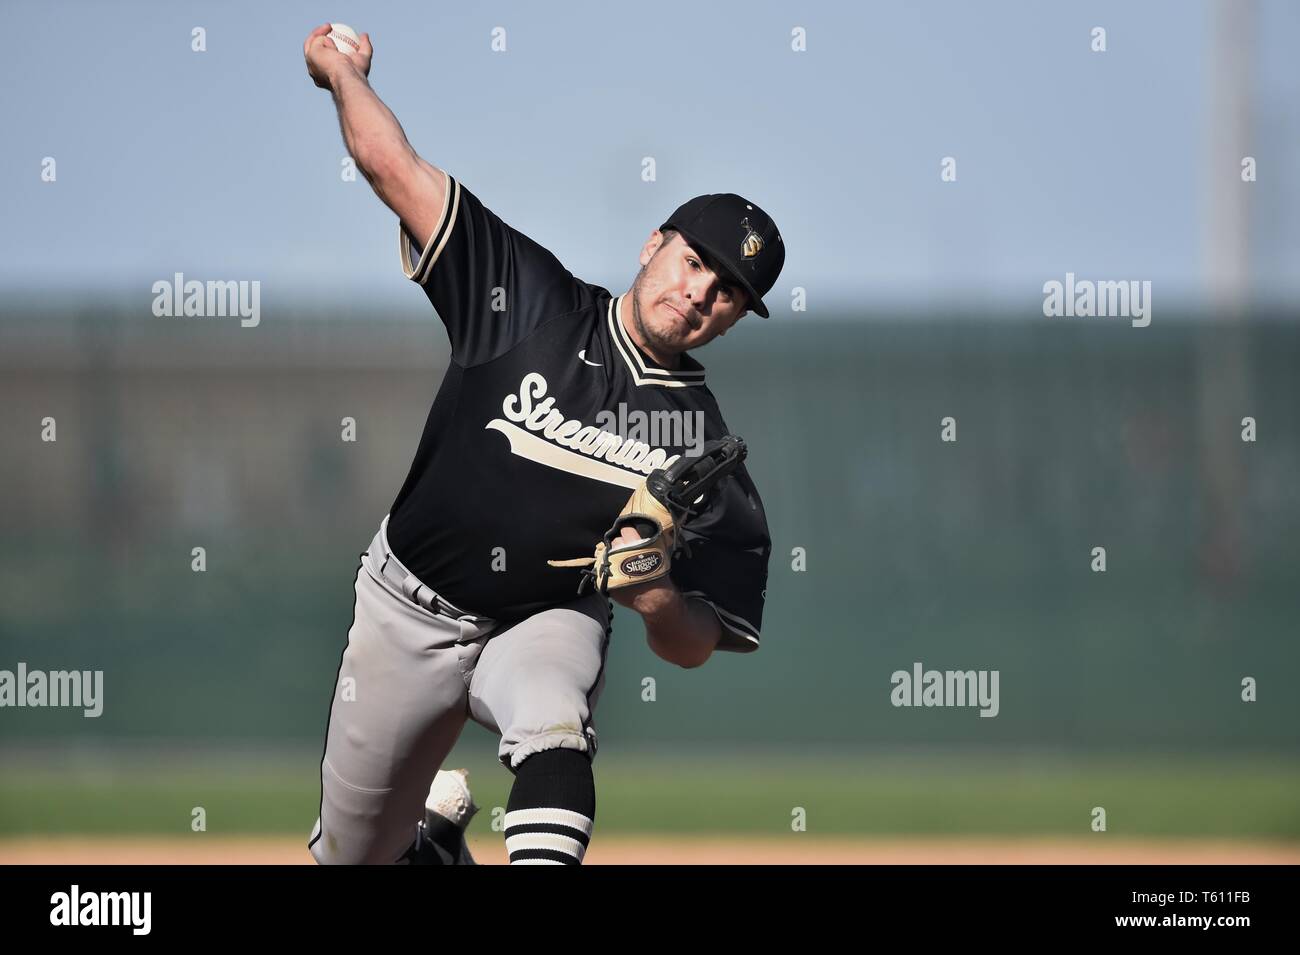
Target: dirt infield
(201, 849)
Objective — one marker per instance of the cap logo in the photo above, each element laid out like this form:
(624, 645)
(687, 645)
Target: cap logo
(752, 243)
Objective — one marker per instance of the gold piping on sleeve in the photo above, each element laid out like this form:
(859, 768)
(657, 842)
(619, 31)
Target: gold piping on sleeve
(437, 241)
(737, 625)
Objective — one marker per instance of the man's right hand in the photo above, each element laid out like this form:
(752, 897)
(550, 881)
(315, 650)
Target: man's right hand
(324, 60)
(411, 187)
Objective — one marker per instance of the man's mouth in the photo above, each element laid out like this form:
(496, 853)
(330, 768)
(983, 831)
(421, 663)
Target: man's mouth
(694, 325)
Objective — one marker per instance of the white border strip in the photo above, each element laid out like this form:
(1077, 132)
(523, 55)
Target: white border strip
(632, 358)
(446, 223)
(737, 625)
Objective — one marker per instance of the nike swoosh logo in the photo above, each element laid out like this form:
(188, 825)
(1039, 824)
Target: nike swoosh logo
(583, 355)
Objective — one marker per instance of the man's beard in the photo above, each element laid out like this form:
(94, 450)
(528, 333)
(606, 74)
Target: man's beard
(648, 335)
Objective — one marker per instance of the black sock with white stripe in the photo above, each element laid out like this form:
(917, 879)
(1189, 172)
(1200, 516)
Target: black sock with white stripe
(551, 809)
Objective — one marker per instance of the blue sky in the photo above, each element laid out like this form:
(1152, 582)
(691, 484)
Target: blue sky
(225, 164)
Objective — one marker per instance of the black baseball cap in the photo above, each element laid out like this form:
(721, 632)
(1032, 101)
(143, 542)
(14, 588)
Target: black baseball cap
(738, 236)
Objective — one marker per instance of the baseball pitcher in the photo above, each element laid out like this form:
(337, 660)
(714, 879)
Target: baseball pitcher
(573, 455)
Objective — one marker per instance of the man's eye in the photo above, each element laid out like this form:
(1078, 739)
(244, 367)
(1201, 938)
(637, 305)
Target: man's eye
(693, 263)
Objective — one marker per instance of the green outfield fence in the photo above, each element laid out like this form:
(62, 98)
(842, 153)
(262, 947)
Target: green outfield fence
(973, 554)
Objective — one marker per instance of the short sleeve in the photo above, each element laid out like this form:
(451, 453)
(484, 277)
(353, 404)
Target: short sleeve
(491, 285)
(727, 565)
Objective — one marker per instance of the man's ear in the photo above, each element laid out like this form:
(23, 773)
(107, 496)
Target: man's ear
(651, 246)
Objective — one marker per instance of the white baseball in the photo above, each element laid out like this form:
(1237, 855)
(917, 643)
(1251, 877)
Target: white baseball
(345, 38)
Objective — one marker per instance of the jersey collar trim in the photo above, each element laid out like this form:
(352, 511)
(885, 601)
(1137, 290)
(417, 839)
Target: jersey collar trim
(690, 374)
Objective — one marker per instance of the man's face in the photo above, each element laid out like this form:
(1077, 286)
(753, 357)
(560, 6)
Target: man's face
(679, 302)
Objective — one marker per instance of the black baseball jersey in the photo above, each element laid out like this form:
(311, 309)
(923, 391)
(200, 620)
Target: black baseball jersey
(548, 418)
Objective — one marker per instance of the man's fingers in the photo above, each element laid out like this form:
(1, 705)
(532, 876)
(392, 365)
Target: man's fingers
(366, 48)
(318, 32)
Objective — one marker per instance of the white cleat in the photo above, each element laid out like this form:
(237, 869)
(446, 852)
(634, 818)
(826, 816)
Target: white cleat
(449, 799)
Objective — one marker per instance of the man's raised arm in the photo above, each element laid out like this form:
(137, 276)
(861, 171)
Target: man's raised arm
(407, 184)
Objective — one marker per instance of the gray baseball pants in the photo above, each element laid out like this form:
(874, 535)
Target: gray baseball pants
(414, 670)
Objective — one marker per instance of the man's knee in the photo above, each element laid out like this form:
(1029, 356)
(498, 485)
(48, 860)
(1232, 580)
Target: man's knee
(363, 826)
(520, 741)
(327, 849)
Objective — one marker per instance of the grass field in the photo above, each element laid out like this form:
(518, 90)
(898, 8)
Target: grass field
(751, 795)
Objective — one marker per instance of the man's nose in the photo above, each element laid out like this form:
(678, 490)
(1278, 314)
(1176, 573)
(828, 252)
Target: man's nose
(697, 291)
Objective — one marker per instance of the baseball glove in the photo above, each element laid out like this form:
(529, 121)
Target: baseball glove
(658, 510)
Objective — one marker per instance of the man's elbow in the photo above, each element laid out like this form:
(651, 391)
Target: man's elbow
(383, 162)
(692, 662)
(679, 654)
